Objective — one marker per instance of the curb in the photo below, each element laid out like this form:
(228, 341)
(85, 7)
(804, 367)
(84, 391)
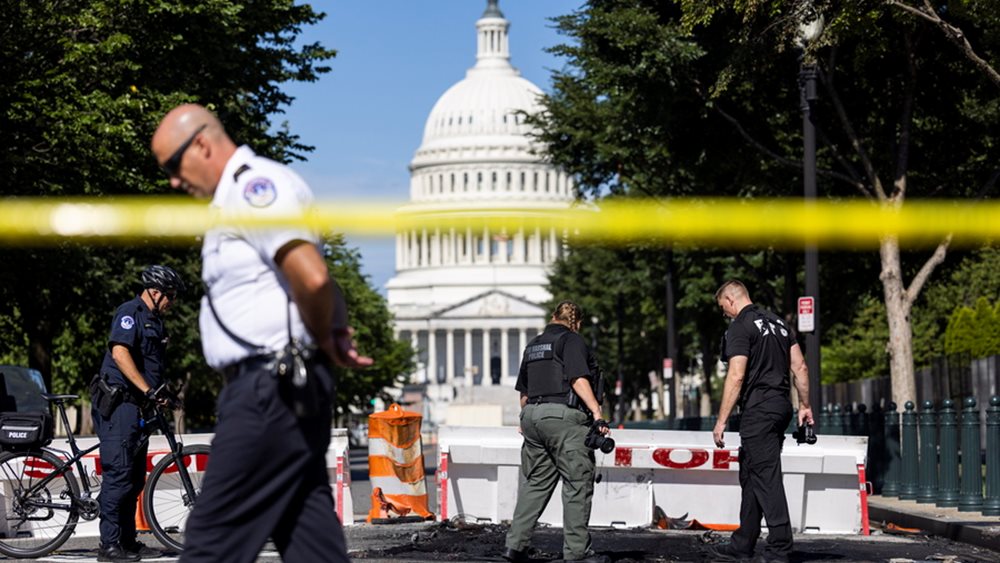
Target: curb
(966, 527)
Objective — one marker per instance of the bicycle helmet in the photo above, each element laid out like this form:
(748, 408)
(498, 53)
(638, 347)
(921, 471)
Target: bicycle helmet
(162, 278)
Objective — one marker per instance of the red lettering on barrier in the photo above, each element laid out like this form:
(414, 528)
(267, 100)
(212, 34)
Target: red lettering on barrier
(37, 468)
(722, 458)
(200, 462)
(623, 457)
(664, 457)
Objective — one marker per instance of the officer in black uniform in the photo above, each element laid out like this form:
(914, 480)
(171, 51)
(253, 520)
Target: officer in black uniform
(133, 365)
(760, 351)
(558, 407)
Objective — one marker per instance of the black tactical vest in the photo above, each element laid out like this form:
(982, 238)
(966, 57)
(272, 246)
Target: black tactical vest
(543, 358)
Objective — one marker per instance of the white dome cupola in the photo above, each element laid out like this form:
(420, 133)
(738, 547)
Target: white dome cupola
(469, 297)
(493, 47)
(476, 144)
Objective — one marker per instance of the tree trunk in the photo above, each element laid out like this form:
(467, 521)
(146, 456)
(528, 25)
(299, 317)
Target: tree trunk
(897, 306)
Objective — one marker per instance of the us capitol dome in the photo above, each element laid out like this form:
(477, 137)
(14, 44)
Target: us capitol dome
(469, 298)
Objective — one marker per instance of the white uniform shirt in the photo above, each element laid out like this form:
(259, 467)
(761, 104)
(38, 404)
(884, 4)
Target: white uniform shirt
(250, 294)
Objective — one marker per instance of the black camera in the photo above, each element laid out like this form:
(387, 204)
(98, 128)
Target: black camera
(805, 434)
(597, 441)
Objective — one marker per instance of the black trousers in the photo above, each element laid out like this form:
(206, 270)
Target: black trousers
(123, 471)
(762, 432)
(266, 477)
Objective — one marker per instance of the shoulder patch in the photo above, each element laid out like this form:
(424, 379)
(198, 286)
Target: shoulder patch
(260, 192)
(127, 322)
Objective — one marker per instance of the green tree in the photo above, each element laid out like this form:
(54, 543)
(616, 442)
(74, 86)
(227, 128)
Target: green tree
(85, 82)
(370, 317)
(633, 114)
(971, 278)
(858, 350)
(700, 97)
(960, 336)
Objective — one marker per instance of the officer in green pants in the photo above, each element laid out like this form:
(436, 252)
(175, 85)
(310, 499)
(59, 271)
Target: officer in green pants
(558, 408)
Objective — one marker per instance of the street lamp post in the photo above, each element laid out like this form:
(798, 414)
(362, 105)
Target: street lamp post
(809, 30)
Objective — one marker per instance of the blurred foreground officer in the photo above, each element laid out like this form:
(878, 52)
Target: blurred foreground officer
(558, 408)
(271, 320)
(131, 371)
(760, 351)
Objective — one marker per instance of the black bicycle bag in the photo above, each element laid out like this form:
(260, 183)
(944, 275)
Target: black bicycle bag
(21, 431)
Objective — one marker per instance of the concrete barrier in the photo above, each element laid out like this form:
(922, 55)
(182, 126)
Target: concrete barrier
(337, 461)
(680, 471)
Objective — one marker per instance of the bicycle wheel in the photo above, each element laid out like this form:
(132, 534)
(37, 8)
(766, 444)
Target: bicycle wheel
(166, 503)
(37, 518)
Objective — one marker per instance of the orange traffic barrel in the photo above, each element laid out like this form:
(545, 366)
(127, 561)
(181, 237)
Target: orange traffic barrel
(396, 467)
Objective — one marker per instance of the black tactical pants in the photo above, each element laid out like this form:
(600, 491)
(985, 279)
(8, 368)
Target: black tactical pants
(762, 432)
(266, 477)
(123, 471)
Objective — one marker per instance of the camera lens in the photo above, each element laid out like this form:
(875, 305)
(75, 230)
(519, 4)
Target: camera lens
(607, 445)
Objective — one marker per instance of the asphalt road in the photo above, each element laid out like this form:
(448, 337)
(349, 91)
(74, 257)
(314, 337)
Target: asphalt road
(432, 541)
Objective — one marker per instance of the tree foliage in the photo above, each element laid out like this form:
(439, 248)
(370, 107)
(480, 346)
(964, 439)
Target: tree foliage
(372, 321)
(85, 83)
(974, 332)
(702, 98)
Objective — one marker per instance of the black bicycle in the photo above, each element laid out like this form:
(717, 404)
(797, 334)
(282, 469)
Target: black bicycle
(43, 499)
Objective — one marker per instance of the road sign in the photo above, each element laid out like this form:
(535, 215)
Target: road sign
(807, 314)
(668, 368)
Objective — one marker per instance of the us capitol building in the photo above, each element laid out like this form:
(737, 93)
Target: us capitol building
(469, 299)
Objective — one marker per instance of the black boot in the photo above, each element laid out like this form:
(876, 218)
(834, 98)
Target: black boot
(515, 555)
(115, 552)
(141, 549)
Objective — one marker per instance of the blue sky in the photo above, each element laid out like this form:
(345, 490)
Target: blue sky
(394, 59)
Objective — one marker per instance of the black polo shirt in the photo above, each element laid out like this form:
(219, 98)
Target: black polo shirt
(764, 339)
(137, 328)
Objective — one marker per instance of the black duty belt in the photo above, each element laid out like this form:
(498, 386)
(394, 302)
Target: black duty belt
(262, 362)
(547, 400)
(247, 365)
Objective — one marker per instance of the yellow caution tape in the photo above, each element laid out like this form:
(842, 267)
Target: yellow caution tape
(726, 223)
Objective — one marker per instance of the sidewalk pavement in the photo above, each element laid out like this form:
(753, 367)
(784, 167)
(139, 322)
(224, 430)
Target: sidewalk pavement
(966, 527)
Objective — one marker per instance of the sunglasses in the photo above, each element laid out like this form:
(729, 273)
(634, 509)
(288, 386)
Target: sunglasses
(172, 165)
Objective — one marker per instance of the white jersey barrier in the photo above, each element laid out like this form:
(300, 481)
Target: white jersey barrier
(337, 462)
(682, 472)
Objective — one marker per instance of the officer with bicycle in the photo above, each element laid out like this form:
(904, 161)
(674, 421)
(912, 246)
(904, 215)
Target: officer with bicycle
(131, 373)
(558, 411)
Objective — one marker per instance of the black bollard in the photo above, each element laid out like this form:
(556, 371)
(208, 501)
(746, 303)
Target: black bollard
(848, 420)
(970, 497)
(947, 495)
(877, 455)
(863, 427)
(824, 420)
(911, 460)
(991, 507)
(928, 470)
(836, 421)
(893, 461)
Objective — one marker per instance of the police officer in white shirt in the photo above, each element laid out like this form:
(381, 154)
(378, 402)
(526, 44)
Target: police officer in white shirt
(265, 288)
